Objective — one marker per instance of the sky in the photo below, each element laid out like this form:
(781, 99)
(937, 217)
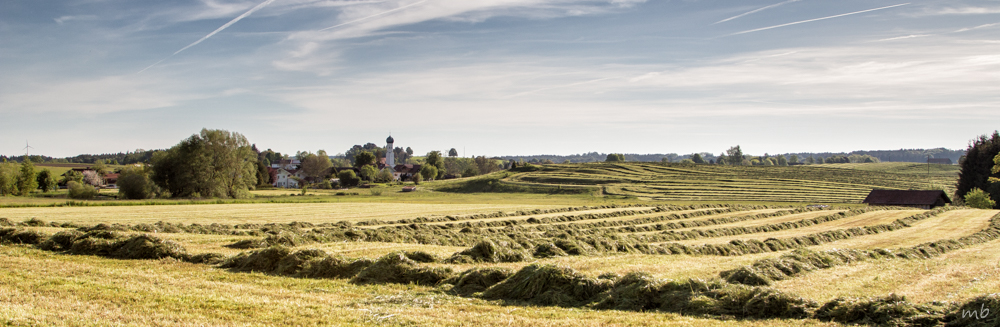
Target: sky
(500, 77)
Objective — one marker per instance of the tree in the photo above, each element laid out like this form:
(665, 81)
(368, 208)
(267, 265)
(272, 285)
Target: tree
(263, 173)
(71, 175)
(782, 161)
(26, 180)
(364, 158)
(416, 178)
(734, 156)
(978, 167)
(100, 167)
(134, 184)
(696, 158)
(46, 181)
(348, 178)
(486, 165)
(722, 160)
(980, 199)
(316, 166)
(368, 172)
(470, 171)
(409, 151)
(92, 178)
(434, 159)
(428, 172)
(213, 163)
(384, 176)
(615, 157)
(8, 178)
(452, 152)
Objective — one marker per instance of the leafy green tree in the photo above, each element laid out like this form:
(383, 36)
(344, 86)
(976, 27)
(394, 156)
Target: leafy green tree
(697, 158)
(734, 156)
(979, 166)
(428, 172)
(69, 176)
(368, 172)
(100, 167)
(615, 157)
(722, 160)
(470, 171)
(452, 152)
(46, 181)
(980, 199)
(782, 161)
(263, 174)
(434, 159)
(316, 166)
(8, 178)
(416, 178)
(409, 151)
(134, 184)
(384, 176)
(485, 165)
(26, 180)
(348, 178)
(213, 163)
(364, 158)
(794, 159)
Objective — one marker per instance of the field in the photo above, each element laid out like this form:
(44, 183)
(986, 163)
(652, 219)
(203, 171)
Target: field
(509, 258)
(834, 183)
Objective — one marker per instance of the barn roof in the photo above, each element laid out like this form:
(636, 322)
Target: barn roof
(908, 197)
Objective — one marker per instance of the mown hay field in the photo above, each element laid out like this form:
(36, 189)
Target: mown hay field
(423, 264)
(834, 183)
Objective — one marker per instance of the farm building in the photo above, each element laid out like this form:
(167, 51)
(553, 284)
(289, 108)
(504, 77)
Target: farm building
(910, 198)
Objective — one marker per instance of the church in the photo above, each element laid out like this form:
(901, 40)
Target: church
(401, 172)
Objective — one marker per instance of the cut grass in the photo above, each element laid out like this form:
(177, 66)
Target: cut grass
(956, 276)
(253, 213)
(42, 288)
(952, 224)
(865, 219)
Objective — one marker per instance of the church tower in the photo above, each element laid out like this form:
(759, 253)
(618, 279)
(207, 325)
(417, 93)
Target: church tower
(390, 156)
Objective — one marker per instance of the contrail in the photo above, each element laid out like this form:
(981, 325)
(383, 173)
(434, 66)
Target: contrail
(373, 16)
(754, 11)
(230, 23)
(816, 19)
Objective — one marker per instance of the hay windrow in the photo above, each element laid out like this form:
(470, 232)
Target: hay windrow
(398, 269)
(476, 280)
(489, 251)
(548, 285)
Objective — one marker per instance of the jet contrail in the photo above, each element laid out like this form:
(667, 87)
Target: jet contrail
(754, 11)
(230, 23)
(373, 16)
(816, 19)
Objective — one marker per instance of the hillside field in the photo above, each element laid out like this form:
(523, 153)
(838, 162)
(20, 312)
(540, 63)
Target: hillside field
(629, 250)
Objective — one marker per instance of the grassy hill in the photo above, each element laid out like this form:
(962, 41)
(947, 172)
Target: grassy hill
(834, 183)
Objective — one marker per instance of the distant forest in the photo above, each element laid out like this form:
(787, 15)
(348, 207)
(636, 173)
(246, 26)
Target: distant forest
(901, 155)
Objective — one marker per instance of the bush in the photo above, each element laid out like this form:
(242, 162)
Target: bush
(428, 172)
(134, 183)
(978, 198)
(348, 178)
(81, 191)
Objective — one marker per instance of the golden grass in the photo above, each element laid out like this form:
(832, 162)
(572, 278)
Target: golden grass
(546, 215)
(254, 213)
(951, 224)
(955, 276)
(768, 221)
(865, 219)
(48, 289)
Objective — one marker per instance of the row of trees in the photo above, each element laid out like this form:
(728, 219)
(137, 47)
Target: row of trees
(22, 179)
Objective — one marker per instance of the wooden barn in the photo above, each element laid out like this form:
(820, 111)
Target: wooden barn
(910, 198)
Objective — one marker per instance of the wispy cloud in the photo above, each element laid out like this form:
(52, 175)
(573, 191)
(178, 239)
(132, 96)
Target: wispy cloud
(230, 23)
(755, 11)
(911, 36)
(375, 15)
(816, 19)
(964, 11)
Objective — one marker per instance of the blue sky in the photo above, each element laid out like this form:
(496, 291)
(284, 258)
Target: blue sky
(500, 77)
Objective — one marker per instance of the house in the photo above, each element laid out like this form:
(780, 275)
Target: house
(287, 164)
(287, 178)
(111, 180)
(940, 161)
(910, 198)
(404, 172)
